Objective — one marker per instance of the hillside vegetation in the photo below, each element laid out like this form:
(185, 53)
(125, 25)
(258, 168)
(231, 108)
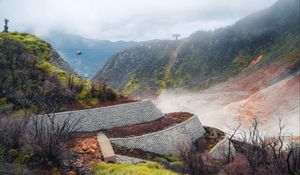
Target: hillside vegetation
(34, 78)
(130, 169)
(207, 58)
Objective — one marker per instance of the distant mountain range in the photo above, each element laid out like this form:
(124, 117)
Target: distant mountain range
(206, 58)
(94, 53)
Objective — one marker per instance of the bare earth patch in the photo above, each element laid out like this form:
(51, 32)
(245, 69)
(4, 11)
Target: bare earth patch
(167, 121)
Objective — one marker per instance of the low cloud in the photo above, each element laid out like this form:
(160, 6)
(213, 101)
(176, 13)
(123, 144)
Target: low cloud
(125, 20)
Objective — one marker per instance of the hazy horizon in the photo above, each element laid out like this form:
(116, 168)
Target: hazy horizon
(132, 20)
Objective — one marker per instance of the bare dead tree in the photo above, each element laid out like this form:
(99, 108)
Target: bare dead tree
(268, 154)
(276, 143)
(232, 134)
(254, 146)
(293, 158)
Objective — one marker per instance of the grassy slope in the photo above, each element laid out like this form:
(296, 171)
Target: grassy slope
(130, 169)
(41, 49)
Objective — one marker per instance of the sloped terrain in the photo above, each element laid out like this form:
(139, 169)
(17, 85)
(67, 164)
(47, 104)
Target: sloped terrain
(222, 108)
(207, 58)
(277, 100)
(35, 78)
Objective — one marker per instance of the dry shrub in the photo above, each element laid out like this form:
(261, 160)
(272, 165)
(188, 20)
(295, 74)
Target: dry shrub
(12, 130)
(51, 138)
(192, 160)
(238, 166)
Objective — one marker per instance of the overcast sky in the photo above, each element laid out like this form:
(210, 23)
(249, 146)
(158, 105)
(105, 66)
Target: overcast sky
(125, 19)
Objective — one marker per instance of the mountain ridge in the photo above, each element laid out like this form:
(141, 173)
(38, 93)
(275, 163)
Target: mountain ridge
(206, 58)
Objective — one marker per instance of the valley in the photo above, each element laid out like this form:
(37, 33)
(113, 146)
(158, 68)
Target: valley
(94, 53)
(219, 101)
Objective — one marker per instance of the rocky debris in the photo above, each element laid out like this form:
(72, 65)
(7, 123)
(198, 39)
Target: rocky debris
(86, 147)
(221, 150)
(88, 152)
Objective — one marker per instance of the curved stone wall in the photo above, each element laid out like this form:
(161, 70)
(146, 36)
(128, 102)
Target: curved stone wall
(165, 141)
(92, 120)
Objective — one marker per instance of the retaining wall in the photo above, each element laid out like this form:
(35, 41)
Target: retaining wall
(92, 120)
(126, 159)
(165, 141)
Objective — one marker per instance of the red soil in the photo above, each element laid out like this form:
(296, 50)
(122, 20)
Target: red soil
(169, 120)
(265, 75)
(279, 97)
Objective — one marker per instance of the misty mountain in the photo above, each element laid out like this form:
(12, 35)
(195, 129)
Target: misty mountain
(94, 53)
(207, 58)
